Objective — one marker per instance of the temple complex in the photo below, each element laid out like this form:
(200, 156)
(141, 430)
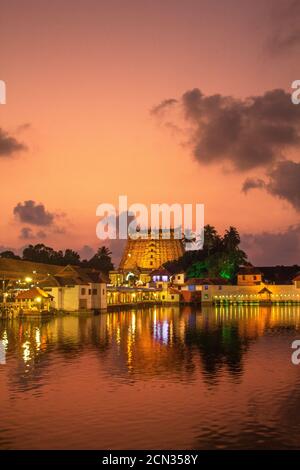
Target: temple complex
(149, 253)
(144, 255)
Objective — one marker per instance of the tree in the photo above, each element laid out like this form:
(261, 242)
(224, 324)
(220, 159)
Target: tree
(198, 270)
(220, 257)
(9, 255)
(45, 254)
(40, 253)
(102, 260)
(231, 239)
(71, 257)
(212, 239)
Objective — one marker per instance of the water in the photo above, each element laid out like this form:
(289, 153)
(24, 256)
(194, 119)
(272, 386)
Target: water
(152, 379)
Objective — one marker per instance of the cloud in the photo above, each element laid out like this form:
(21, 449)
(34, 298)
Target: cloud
(247, 133)
(284, 182)
(285, 29)
(252, 183)
(163, 106)
(271, 248)
(9, 144)
(243, 135)
(34, 214)
(24, 127)
(26, 233)
(86, 252)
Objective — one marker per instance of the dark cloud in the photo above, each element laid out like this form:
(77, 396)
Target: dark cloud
(252, 183)
(284, 182)
(41, 234)
(9, 145)
(26, 233)
(163, 106)
(285, 26)
(34, 214)
(247, 133)
(24, 127)
(269, 248)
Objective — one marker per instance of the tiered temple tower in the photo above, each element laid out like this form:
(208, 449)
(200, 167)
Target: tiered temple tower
(149, 254)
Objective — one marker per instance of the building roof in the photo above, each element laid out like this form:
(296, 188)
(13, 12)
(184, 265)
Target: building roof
(33, 293)
(16, 269)
(160, 272)
(12, 269)
(60, 281)
(244, 270)
(206, 281)
(265, 290)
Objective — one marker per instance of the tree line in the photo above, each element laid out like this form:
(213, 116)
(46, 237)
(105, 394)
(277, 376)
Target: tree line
(41, 253)
(221, 256)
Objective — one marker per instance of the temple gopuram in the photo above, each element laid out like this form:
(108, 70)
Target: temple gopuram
(144, 255)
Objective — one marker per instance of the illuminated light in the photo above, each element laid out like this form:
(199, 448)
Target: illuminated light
(28, 279)
(38, 299)
(5, 340)
(26, 351)
(133, 323)
(165, 332)
(38, 338)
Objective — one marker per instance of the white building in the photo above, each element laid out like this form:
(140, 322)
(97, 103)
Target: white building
(255, 293)
(76, 289)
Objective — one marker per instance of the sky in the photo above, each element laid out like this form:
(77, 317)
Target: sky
(175, 101)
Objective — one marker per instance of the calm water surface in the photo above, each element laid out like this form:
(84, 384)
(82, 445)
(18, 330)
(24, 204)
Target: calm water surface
(155, 378)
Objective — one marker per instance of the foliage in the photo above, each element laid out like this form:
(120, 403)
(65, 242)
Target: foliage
(41, 253)
(220, 256)
(102, 260)
(9, 255)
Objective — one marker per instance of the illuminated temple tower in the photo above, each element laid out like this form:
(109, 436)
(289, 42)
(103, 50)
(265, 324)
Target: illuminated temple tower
(149, 254)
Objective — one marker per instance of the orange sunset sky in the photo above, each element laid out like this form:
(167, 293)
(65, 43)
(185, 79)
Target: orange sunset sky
(86, 117)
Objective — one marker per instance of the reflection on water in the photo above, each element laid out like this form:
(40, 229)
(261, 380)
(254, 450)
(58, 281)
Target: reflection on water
(153, 378)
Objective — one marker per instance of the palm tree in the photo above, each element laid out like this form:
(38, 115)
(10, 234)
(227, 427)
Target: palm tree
(231, 239)
(211, 239)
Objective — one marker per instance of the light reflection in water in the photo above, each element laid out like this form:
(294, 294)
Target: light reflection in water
(223, 376)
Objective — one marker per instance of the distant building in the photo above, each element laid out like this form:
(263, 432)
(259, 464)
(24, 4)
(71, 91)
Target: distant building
(249, 276)
(263, 293)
